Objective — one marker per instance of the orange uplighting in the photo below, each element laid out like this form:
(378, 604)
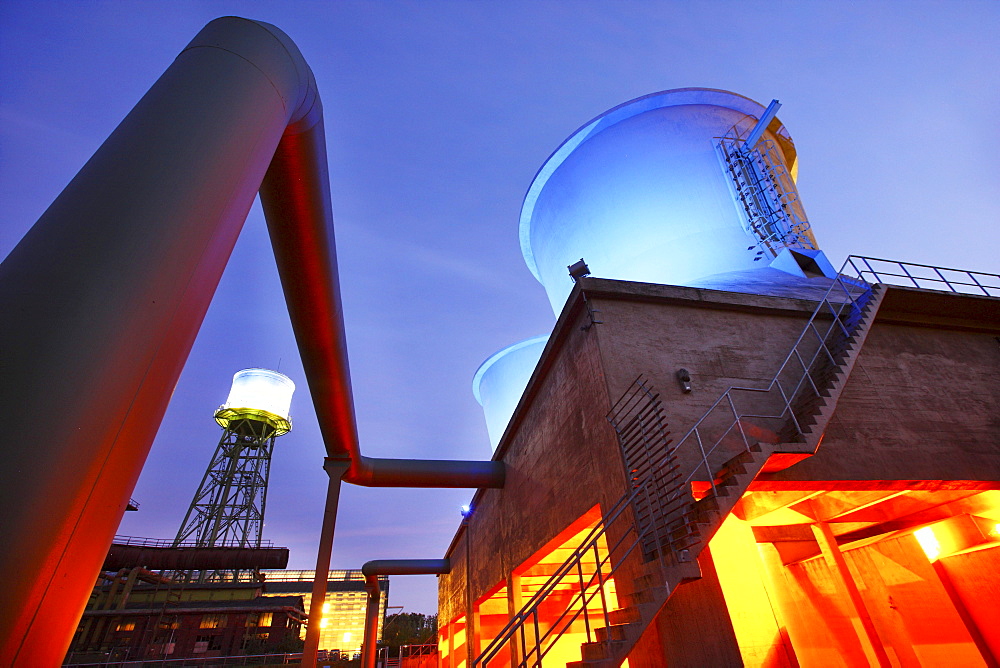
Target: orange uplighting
(928, 542)
(492, 611)
(562, 613)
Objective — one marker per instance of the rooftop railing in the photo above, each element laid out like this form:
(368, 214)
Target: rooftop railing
(169, 542)
(909, 274)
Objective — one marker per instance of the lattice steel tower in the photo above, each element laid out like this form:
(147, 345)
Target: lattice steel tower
(228, 508)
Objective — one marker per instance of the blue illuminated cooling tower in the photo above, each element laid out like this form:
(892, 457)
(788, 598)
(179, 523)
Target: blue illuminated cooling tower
(679, 187)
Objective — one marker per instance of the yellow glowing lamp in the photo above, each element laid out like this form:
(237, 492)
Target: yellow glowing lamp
(259, 394)
(928, 542)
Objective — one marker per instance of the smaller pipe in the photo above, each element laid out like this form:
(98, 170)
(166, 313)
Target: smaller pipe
(374, 472)
(335, 468)
(758, 130)
(371, 570)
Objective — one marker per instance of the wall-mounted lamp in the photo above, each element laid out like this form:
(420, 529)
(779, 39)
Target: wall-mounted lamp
(684, 378)
(578, 270)
(466, 510)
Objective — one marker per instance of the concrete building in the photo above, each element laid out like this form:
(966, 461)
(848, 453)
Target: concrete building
(719, 464)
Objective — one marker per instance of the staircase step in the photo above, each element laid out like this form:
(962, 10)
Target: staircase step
(686, 572)
(629, 615)
(596, 651)
(646, 581)
(644, 596)
(615, 633)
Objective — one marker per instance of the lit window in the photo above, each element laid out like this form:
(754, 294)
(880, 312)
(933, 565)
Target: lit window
(213, 622)
(125, 626)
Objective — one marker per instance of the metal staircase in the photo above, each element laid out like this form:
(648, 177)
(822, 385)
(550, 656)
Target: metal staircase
(672, 511)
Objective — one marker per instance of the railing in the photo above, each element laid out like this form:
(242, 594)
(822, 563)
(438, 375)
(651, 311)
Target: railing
(169, 542)
(203, 662)
(746, 415)
(531, 636)
(891, 272)
(740, 418)
(426, 649)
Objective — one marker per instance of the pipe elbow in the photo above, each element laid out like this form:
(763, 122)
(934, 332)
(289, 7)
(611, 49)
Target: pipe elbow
(276, 56)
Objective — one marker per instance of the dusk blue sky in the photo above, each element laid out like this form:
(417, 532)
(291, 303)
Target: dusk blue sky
(438, 115)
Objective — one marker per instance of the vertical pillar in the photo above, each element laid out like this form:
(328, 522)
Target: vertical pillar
(335, 468)
(835, 560)
(963, 613)
(514, 604)
(470, 616)
(451, 645)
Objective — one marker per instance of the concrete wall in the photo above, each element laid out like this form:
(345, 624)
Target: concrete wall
(723, 339)
(922, 405)
(923, 401)
(562, 458)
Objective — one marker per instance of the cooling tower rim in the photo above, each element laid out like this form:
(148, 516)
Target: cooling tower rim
(477, 379)
(674, 97)
(269, 371)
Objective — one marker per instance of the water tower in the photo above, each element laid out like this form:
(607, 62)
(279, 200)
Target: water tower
(228, 508)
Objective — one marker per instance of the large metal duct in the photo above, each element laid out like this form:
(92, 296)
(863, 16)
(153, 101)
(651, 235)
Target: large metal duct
(103, 297)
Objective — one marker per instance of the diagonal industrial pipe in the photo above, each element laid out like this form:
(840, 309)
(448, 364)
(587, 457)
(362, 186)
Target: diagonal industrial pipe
(371, 570)
(103, 297)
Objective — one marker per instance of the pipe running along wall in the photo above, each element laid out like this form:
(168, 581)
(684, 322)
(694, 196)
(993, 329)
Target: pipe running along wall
(103, 297)
(371, 570)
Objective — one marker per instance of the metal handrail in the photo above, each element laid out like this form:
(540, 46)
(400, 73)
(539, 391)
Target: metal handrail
(169, 542)
(992, 282)
(530, 610)
(856, 293)
(837, 310)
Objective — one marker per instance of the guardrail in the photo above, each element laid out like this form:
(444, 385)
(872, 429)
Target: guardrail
(893, 272)
(168, 542)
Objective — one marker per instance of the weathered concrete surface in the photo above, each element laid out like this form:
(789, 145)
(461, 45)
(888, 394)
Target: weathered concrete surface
(562, 458)
(923, 402)
(921, 410)
(723, 339)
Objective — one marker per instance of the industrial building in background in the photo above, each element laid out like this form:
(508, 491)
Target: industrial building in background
(726, 452)
(205, 594)
(137, 614)
(342, 628)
